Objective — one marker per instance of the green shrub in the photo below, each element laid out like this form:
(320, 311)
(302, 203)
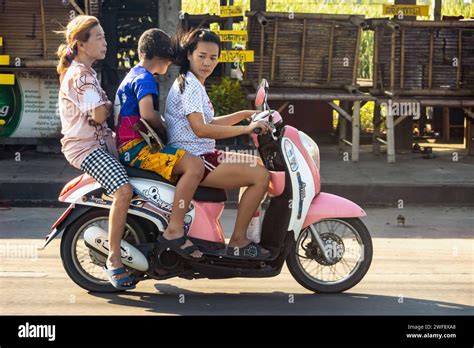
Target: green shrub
(227, 97)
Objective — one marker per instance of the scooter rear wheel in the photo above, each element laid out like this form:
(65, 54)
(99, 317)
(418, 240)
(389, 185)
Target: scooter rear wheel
(83, 265)
(349, 245)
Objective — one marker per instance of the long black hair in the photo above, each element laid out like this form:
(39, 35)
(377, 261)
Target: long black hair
(186, 42)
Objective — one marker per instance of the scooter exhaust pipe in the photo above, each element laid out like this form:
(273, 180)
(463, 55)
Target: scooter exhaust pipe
(97, 239)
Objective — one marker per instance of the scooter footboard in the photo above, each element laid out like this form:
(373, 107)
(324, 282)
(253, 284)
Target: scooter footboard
(326, 205)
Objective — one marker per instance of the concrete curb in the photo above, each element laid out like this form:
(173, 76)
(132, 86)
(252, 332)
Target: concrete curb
(46, 194)
(383, 194)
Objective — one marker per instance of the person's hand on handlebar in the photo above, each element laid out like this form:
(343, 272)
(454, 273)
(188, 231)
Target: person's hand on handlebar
(260, 127)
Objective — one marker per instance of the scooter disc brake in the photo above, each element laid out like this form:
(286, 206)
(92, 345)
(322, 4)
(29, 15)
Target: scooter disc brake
(334, 247)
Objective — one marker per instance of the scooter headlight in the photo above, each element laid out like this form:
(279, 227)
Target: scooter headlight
(310, 146)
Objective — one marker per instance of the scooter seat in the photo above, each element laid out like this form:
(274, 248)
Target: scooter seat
(205, 194)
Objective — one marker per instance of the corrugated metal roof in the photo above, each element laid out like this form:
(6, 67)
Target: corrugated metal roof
(21, 28)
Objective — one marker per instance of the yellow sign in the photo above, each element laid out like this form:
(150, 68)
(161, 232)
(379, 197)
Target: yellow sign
(231, 11)
(407, 10)
(7, 79)
(236, 56)
(233, 35)
(4, 60)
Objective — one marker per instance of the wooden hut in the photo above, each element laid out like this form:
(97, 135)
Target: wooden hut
(305, 50)
(28, 30)
(423, 57)
(29, 46)
(430, 63)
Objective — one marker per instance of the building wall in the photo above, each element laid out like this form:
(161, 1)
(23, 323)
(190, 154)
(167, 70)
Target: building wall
(312, 117)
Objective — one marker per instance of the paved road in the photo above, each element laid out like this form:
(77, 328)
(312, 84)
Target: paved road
(424, 268)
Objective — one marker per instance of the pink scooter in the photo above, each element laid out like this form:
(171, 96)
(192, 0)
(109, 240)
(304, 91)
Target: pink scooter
(327, 248)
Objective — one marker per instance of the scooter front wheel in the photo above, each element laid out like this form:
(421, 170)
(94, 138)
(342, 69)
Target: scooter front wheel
(342, 264)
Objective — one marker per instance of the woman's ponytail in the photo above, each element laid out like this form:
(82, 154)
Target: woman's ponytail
(65, 58)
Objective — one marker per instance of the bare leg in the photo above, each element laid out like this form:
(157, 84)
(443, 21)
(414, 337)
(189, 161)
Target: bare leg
(117, 219)
(233, 175)
(191, 169)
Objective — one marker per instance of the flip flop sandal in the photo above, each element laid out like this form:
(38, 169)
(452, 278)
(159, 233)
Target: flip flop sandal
(252, 251)
(119, 283)
(175, 245)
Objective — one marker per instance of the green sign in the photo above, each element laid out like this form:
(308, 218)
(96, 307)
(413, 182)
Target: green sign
(10, 109)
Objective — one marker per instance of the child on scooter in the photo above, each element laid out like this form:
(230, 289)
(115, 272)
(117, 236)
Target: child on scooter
(135, 99)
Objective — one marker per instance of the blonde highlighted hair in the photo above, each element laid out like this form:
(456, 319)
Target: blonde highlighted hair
(77, 30)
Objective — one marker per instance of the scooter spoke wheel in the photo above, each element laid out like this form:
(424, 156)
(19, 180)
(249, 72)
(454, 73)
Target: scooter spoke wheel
(84, 265)
(342, 263)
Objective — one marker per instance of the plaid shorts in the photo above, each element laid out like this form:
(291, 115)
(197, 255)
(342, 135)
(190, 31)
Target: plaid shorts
(106, 170)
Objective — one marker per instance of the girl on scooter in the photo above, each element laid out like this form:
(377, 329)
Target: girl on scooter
(191, 126)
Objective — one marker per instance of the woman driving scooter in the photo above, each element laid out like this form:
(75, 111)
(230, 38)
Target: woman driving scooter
(191, 125)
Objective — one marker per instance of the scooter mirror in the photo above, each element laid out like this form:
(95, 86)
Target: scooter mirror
(261, 95)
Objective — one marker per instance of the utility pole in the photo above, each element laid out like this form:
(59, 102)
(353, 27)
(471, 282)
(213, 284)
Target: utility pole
(258, 5)
(168, 14)
(437, 10)
(227, 26)
(404, 131)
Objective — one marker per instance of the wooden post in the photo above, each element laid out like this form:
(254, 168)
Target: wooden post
(342, 126)
(402, 59)
(470, 136)
(275, 39)
(376, 59)
(341, 110)
(356, 58)
(262, 43)
(466, 133)
(258, 5)
(43, 26)
(430, 62)
(303, 51)
(331, 43)
(403, 133)
(376, 133)
(437, 10)
(390, 136)
(446, 124)
(168, 11)
(227, 25)
(86, 7)
(392, 63)
(458, 68)
(355, 131)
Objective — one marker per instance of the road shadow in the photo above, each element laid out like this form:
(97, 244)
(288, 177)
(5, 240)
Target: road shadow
(173, 300)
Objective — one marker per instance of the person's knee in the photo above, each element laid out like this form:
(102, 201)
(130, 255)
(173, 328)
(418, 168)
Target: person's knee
(196, 168)
(124, 193)
(262, 176)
